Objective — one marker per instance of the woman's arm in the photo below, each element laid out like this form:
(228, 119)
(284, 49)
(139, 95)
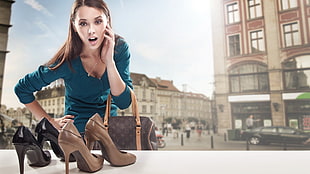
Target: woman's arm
(33, 82)
(36, 109)
(117, 63)
(117, 85)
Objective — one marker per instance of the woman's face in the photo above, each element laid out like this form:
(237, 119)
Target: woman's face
(90, 24)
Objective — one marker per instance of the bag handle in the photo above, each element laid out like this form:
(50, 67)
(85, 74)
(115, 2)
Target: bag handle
(135, 112)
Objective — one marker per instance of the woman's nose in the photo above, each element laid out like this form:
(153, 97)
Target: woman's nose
(91, 30)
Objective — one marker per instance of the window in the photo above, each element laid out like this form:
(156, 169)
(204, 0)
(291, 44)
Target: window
(255, 9)
(291, 34)
(297, 73)
(250, 77)
(234, 45)
(144, 109)
(257, 41)
(269, 130)
(286, 130)
(144, 94)
(152, 95)
(233, 13)
(287, 4)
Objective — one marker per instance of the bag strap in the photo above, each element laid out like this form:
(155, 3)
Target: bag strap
(135, 112)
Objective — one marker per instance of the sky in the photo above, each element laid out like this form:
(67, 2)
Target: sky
(170, 39)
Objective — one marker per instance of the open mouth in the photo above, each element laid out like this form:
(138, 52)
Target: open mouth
(92, 39)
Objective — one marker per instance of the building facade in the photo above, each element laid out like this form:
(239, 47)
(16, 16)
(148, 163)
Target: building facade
(262, 62)
(158, 99)
(52, 99)
(5, 17)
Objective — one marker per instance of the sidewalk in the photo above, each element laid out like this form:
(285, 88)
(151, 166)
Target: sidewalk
(194, 142)
(219, 143)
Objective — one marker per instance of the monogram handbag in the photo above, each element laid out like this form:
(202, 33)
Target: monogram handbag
(130, 132)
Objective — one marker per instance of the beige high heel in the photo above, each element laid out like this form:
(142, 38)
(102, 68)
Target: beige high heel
(95, 131)
(70, 141)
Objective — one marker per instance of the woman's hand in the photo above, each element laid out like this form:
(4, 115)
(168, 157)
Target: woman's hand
(107, 51)
(58, 123)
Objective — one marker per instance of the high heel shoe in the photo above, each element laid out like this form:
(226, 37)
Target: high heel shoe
(47, 132)
(70, 141)
(95, 131)
(25, 143)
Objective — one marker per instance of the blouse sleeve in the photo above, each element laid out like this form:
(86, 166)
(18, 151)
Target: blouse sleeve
(35, 81)
(122, 61)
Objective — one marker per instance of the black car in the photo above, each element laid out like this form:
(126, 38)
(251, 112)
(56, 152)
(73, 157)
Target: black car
(275, 134)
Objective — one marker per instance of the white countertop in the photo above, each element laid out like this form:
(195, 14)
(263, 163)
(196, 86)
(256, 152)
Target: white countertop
(182, 162)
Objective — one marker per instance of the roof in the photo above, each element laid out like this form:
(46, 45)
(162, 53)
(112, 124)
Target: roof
(164, 84)
(195, 95)
(137, 79)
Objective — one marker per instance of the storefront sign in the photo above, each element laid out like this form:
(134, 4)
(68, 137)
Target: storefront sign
(267, 123)
(293, 123)
(293, 96)
(306, 122)
(249, 98)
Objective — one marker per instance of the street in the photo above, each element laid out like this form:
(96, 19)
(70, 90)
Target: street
(219, 143)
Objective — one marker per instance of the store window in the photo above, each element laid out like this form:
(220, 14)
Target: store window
(288, 4)
(255, 9)
(291, 34)
(251, 77)
(298, 114)
(234, 45)
(233, 15)
(261, 112)
(297, 73)
(257, 41)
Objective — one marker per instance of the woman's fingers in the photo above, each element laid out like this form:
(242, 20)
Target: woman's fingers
(60, 122)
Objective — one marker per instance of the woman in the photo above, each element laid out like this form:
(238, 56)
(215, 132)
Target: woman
(94, 62)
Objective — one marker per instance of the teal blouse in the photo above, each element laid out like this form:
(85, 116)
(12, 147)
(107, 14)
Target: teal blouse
(84, 95)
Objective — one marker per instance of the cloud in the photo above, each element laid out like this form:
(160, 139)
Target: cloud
(37, 6)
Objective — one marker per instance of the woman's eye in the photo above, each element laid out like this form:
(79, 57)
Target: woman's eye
(98, 21)
(83, 24)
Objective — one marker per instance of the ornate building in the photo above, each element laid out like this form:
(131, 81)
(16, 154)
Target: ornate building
(157, 98)
(160, 99)
(5, 17)
(262, 62)
(52, 99)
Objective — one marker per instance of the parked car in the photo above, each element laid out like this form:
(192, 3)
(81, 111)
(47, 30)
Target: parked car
(275, 134)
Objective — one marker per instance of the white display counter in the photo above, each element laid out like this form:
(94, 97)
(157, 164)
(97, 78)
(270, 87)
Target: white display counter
(182, 162)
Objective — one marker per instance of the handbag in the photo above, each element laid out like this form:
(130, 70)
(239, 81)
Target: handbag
(130, 132)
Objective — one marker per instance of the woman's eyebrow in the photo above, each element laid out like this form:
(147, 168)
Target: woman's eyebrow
(98, 17)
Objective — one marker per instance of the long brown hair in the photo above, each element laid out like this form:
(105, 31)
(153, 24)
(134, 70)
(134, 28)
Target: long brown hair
(73, 45)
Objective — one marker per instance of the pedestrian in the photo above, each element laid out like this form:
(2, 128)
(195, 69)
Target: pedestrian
(250, 122)
(93, 62)
(199, 130)
(188, 130)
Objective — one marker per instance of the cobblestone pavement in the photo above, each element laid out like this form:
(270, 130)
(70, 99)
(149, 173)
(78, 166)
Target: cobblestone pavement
(219, 143)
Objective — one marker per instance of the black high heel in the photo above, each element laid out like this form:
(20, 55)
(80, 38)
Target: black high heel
(47, 132)
(25, 143)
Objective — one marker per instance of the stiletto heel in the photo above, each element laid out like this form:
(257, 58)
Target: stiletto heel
(95, 131)
(71, 142)
(21, 152)
(47, 132)
(66, 155)
(26, 144)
